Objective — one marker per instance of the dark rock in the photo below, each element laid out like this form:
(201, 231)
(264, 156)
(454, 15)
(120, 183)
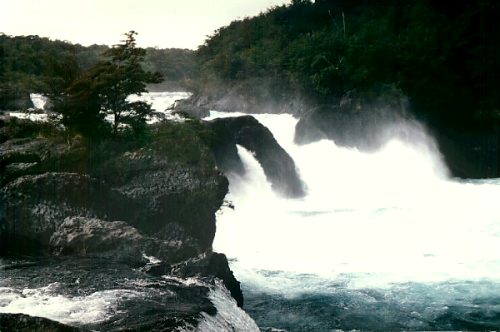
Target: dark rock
(470, 154)
(246, 131)
(15, 100)
(172, 200)
(35, 205)
(142, 302)
(41, 154)
(194, 106)
(25, 323)
(368, 121)
(211, 265)
(364, 121)
(84, 236)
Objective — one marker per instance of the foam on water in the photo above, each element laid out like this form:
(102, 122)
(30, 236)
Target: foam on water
(229, 317)
(369, 219)
(47, 302)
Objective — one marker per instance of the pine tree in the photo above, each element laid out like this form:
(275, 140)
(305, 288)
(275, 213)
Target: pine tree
(104, 90)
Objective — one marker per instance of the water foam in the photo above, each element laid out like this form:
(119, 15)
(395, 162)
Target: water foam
(369, 219)
(49, 303)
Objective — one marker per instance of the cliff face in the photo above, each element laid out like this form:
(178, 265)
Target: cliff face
(148, 205)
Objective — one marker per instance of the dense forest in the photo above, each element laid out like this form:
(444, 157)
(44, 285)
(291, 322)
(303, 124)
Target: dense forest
(443, 57)
(35, 64)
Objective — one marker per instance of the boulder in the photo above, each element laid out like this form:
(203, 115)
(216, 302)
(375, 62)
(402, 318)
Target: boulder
(470, 154)
(194, 106)
(89, 236)
(246, 131)
(211, 264)
(25, 323)
(14, 100)
(35, 205)
(361, 120)
(172, 200)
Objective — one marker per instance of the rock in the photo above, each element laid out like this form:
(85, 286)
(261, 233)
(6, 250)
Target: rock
(86, 236)
(25, 323)
(246, 131)
(367, 121)
(35, 205)
(361, 120)
(41, 155)
(470, 154)
(14, 100)
(194, 107)
(172, 200)
(211, 264)
(124, 204)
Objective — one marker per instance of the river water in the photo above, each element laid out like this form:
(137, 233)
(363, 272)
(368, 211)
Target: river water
(382, 241)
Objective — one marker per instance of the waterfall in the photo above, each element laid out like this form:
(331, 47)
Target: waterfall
(370, 221)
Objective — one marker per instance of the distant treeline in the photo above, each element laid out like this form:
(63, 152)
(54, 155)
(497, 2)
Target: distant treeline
(36, 64)
(445, 57)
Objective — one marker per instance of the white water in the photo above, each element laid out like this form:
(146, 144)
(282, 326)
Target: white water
(161, 102)
(373, 220)
(47, 302)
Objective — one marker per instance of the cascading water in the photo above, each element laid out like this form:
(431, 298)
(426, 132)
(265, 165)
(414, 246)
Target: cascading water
(382, 241)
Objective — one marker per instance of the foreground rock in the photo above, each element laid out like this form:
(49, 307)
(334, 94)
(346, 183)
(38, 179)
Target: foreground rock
(131, 223)
(25, 323)
(102, 294)
(246, 131)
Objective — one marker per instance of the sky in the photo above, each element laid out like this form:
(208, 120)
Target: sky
(160, 23)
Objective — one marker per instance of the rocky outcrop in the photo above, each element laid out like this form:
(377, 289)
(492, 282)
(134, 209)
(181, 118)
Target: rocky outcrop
(473, 154)
(364, 121)
(14, 100)
(169, 197)
(246, 131)
(367, 122)
(35, 205)
(115, 239)
(102, 294)
(211, 264)
(127, 203)
(195, 106)
(25, 323)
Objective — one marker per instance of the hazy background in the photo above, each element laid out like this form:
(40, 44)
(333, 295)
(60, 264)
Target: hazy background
(164, 24)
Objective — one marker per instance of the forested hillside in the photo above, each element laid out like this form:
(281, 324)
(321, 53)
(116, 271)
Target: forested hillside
(444, 57)
(35, 64)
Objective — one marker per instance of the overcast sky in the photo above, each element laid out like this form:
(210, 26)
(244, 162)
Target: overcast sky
(161, 23)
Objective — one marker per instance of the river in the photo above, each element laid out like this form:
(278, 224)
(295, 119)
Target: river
(382, 241)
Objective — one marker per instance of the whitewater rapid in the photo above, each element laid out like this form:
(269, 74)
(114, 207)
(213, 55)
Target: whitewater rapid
(370, 221)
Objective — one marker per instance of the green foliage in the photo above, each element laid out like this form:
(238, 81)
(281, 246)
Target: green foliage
(33, 64)
(104, 90)
(21, 128)
(444, 57)
(177, 66)
(187, 142)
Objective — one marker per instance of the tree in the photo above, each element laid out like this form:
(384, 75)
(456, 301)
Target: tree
(104, 89)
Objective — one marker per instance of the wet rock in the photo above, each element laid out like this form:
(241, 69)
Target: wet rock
(211, 265)
(246, 131)
(172, 200)
(362, 120)
(41, 154)
(195, 106)
(35, 205)
(470, 154)
(25, 323)
(86, 236)
(14, 100)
